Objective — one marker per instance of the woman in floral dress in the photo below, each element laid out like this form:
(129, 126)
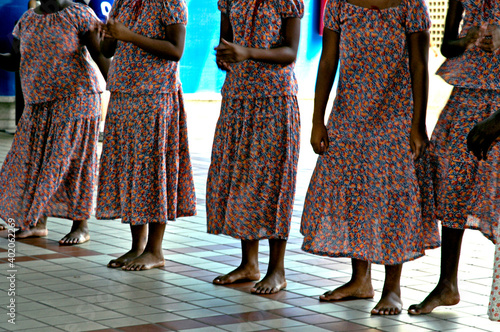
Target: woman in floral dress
(251, 180)
(466, 192)
(363, 201)
(145, 176)
(50, 169)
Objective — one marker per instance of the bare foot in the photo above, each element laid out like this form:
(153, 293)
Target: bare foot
(39, 230)
(147, 260)
(389, 304)
(440, 296)
(241, 273)
(79, 234)
(350, 291)
(272, 283)
(125, 259)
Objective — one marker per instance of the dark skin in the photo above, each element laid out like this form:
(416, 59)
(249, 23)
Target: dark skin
(146, 252)
(10, 61)
(482, 136)
(228, 53)
(479, 140)
(360, 285)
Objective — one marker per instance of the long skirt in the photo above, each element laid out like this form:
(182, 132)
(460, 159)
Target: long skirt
(466, 191)
(251, 180)
(145, 174)
(50, 169)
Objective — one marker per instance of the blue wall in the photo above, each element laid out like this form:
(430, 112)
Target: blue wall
(10, 11)
(198, 70)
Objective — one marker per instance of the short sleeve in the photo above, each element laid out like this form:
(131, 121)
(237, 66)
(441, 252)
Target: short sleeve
(86, 18)
(175, 12)
(417, 16)
(332, 15)
(291, 8)
(17, 32)
(223, 6)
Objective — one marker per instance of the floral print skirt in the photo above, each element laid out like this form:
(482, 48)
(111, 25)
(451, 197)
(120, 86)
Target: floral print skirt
(50, 169)
(145, 174)
(466, 191)
(251, 180)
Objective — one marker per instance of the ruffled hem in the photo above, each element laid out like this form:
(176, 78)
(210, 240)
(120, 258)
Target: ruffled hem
(145, 164)
(51, 167)
(251, 180)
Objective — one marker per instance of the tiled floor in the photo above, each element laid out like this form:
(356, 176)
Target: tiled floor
(70, 288)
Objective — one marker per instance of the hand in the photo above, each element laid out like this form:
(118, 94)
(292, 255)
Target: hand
(418, 142)
(319, 138)
(470, 40)
(482, 136)
(490, 38)
(223, 65)
(116, 30)
(230, 53)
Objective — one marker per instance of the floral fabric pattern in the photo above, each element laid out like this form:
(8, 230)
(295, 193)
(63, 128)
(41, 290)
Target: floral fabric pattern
(145, 174)
(466, 193)
(364, 197)
(135, 70)
(54, 62)
(494, 304)
(251, 180)
(475, 68)
(254, 78)
(50, 169)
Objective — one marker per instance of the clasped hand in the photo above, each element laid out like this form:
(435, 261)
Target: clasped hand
(227, 53)
(114, 29)
(487, 37)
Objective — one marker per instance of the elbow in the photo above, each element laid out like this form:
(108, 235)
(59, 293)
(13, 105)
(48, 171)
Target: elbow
(175, 54)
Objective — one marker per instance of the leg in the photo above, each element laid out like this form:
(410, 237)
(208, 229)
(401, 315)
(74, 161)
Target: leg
(39, 230)
(359, 287)
(274, 280)
(446, 291)
(79, 233)
(139, 240)
(249, 267)
(390, 303)
(152, 256)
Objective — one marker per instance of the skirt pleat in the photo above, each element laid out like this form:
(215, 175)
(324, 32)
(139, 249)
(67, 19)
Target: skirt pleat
(50, 169)
(145, 173)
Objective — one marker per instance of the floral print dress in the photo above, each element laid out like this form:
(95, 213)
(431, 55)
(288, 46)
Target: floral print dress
(364, 198)
(251, 180)
(50, 169)
(145, 173)
(467, 194)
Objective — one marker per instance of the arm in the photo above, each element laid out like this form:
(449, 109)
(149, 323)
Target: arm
(108, 46)
(418, 49)
(453, 45)
(170, 48)
(482, 136)
(226, 33)
(91, 40)
(10, 61)
(285, 54)
(326, 75)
